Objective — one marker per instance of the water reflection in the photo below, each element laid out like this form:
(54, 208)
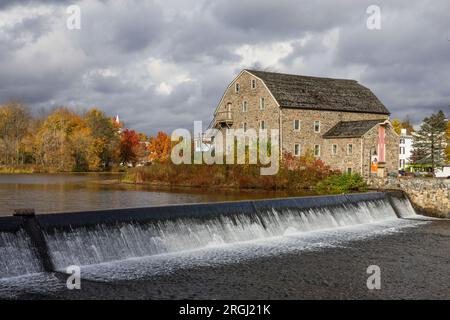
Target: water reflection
(77, 192)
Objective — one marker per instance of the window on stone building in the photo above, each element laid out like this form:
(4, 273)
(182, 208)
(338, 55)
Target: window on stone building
(262, 125)
(317, 150)
(244, 126)
(237, 87)
(349, 170)
(334, 149)
(262, 103)
(349, 148)
(253, 84)
(296, 125)
(316, 126)
(297, 150)
(244, 106)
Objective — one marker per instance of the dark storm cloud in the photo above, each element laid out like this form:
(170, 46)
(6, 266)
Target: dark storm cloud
(5, 4)
(163, 64)
(407, 62)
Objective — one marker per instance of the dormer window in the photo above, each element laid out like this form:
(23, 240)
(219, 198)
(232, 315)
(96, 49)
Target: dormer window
(237, 87)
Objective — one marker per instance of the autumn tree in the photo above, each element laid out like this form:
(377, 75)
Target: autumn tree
(54, 144)
(159, 148)
(14, 124)
(82, 142)
(105, 139)
(129, 142)
(404, 124)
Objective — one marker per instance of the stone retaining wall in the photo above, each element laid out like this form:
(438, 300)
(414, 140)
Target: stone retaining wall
(429, 195)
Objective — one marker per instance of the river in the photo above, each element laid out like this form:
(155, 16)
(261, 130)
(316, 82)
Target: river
(48, 193)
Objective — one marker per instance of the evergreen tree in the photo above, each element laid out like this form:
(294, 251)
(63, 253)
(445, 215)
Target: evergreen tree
(429, 142)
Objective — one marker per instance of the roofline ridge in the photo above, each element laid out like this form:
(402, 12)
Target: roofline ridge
(299, 75)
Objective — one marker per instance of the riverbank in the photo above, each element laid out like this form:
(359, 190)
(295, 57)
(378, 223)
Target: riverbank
(295, 174)
(414, 264)
(37, 170)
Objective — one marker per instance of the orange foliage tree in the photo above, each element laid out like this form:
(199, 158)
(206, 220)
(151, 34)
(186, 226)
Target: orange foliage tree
(129, 141)
(159, 148)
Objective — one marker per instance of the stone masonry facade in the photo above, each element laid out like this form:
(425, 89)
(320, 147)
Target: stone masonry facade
(243, 106)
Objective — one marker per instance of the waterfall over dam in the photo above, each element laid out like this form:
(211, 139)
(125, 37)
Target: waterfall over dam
(88, 238)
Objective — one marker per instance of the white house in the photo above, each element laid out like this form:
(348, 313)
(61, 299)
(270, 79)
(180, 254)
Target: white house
(405, 149)
(443, 172)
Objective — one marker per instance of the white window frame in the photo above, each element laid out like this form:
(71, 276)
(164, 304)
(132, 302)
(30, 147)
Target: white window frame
(237, 87)
(314, 127)
(244, 106)
(244, 126)
(332, 149)
(262, 103)
(299, 125)
(297, 146)
(253, 83)
(349, 146)
(261, 125)
(316, 155)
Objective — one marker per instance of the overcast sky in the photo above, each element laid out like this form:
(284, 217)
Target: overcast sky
(161, 65)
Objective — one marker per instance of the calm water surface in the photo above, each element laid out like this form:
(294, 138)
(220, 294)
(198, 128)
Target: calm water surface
(77, 192)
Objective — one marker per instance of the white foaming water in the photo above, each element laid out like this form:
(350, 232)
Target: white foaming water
(16, 255)
(102, 244)
(145, 267)
(405, 207)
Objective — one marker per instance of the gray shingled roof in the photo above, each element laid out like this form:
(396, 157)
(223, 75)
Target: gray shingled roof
(294, 91)
(351, 129)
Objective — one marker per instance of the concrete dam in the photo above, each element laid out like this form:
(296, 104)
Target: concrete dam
(51, 242)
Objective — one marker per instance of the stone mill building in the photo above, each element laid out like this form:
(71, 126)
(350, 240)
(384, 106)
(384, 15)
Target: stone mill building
(340, 121)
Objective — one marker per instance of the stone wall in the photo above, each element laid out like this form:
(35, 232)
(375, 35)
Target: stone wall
(429, 196)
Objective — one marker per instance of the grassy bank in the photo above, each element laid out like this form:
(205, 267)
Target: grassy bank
(18, 170)
(295, 174)
(30, 169)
